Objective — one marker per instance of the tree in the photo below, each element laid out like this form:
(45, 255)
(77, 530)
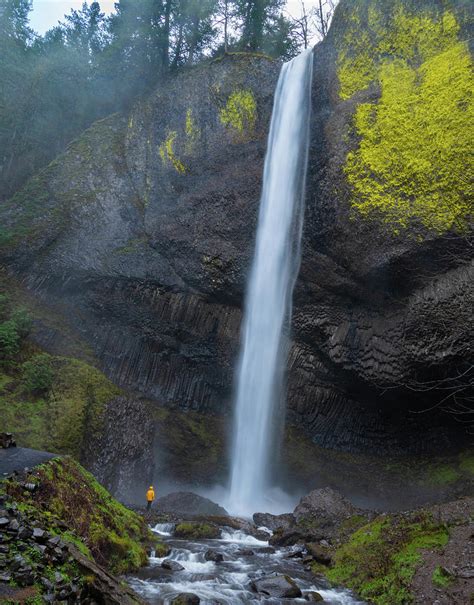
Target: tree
(323, 13)
(256, 17)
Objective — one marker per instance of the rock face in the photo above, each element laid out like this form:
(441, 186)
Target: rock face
(142, 234)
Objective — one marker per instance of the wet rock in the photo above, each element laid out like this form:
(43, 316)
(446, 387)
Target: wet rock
(245, 552)
(186, 598)
(197, 531)
(212, 555)
(172, 565)
(319, 553)
(273, 522)
(4, 522)
(296, 554)
(294, 536)
(5, 577)
(278, 587)
(324, 503)
(314, 597)
(267, 550)
(188, 503)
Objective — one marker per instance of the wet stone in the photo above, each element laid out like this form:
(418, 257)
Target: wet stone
(278, 587)
(4, 522)
(4, 549)
(186, 598)
(5, 577)
(215, 557)
(314, 597)
(172, 565)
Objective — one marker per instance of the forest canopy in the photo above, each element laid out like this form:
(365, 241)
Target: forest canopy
(90, 65)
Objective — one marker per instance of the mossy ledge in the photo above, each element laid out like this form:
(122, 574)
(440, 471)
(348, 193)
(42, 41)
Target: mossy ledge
(69, 496)
(379, 560)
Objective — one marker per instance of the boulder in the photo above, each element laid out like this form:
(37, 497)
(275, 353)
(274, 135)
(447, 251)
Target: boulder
(319, 553)
(278, 587)
(188, 503)
(323, 508)
(212, 555)
(314, 597)
(273, 522)
(186, 598)
(295, 535)
(172, 565)
(197, 531)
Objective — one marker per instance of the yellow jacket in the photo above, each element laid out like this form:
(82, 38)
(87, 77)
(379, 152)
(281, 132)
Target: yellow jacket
(150, 495)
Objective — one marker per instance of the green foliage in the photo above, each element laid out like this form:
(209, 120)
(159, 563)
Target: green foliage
(23, 321)
(9, 340)
(381, 558)
(66, 402)
(38, 373)
(168, 154)
(443, 474)
(412, 165)
(240, 114)
(97, 524)
(441, 577)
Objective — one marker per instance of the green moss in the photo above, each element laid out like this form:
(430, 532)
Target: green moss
(466, 463)
(68, 495)
(240, 114)
(381, 558)
(412, 165)
(441, 577)
(56, 420)
(193, 132)
(196, 531)
(443, 474)
(167, 152)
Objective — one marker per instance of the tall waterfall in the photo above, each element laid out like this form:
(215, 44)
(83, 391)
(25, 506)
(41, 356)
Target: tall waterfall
(270, 288)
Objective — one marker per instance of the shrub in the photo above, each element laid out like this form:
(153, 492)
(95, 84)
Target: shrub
(23, 321)
(38, 374)
(9, 340)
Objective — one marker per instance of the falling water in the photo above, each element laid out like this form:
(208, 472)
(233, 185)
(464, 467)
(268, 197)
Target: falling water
(273, 275)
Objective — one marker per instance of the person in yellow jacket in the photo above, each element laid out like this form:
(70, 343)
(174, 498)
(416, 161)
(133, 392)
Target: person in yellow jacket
(150, 496)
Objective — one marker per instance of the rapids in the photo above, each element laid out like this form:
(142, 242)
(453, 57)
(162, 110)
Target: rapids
(228, 582)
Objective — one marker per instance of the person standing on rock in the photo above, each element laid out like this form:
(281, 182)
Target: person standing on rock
(150, 496)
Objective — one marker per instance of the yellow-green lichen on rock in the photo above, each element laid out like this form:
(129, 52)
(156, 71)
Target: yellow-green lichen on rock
(413, 164)
(240, 114)
(167, 152)
(193, 132)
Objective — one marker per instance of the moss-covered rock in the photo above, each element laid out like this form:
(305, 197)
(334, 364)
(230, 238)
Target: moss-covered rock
(412, 162)
(196, 531)
(69, 497)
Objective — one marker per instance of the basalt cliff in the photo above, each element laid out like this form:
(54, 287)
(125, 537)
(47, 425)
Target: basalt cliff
(132, 251)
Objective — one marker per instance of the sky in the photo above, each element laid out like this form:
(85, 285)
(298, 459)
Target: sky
(46, 13)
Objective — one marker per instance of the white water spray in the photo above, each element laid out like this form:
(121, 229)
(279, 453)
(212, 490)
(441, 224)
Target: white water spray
(272, 278)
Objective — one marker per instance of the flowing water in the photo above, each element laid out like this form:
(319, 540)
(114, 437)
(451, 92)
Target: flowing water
(228, 582)
(272, 278)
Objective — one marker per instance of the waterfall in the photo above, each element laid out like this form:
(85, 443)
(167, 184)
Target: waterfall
(273, 274)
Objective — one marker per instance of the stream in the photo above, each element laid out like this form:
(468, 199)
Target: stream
(228, 582)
